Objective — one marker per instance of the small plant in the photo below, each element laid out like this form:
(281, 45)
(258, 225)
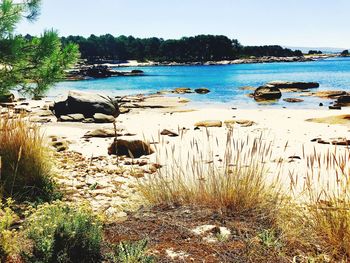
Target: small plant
(25, 169)
(9, 239)
(62, 232)
(268, 239)
(128, 252)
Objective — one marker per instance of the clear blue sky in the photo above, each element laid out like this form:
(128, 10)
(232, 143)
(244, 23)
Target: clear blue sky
(314, 23)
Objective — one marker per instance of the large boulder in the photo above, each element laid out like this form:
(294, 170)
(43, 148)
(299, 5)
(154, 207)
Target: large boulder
(293, 85)
(267, 92)
(132, 148)
(85, 103)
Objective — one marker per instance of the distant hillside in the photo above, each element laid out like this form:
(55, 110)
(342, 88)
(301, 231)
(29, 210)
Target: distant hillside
(322, 49)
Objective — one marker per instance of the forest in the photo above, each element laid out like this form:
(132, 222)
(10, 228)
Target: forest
(187, 49)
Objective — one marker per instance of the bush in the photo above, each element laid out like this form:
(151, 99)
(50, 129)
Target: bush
(237, 184)
(25, 166)
(62, 232)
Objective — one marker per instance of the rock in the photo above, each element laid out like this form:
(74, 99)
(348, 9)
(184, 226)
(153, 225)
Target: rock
(247, 88)
(209, 123)
(169, 133)
(293, 100)
(330, 94)
(245, 123)
(202, 91)
(132, 148)
(77, 117)
(22, 109)
(182, 90)
(321, 104)
(103, 118)
(59, 145)
(85, 103)
(101, 133)
(137, 71)
(335, 107)
(343, 99)
(267, 93)
(293, 85)
(7, 98)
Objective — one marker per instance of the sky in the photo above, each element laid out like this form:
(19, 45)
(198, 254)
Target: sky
(300, 23)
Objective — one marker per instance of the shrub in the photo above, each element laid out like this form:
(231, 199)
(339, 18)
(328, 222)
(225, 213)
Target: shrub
(25, 166)
(238, 183)
(63, 232)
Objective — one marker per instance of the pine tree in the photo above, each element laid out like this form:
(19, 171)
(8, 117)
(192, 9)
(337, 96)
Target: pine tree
(30, 65)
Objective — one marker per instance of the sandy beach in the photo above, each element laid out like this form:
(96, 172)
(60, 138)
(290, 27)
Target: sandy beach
(288, 131)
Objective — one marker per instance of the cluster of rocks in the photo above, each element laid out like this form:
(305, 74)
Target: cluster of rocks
(273, 90)
(189, 90)
(99, 71)
(108, 183)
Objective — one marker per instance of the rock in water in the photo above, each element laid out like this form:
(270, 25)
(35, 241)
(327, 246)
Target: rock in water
(293, 85)
(85, 103)
(209, 123)
(267, 93)
(7, 98)
(132, 149)
(293, 100)
(202, 91)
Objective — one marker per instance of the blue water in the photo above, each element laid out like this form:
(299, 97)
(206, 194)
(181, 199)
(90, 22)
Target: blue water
(223, 81)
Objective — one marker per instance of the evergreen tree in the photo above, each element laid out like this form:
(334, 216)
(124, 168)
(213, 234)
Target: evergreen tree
(30, 64)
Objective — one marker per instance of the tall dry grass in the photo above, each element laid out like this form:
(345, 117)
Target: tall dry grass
(25, 160)
(237, 183)
(320, 224)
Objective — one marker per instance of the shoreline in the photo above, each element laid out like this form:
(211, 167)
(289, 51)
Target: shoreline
(269, 59)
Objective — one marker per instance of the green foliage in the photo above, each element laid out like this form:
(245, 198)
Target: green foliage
(269, 239)
(128, 252)
(30, 64)
(8, 238)
(61, 232)
(186, 49)
(26, 167)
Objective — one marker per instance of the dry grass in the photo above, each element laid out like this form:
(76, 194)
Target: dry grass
(237, 183)
(320, 226)
(26, 167)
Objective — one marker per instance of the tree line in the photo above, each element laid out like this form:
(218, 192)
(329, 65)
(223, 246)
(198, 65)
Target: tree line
(187, 49)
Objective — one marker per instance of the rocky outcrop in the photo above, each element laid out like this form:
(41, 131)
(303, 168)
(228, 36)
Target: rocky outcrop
(86, 104)
(132, 148)
(292, 85)
(267, 92)
(99, 71)
(330, 94)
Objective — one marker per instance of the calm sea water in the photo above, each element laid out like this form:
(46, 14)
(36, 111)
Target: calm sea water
(223, 81)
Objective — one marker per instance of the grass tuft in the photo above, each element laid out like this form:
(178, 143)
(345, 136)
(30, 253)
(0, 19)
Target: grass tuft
(25, 167)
